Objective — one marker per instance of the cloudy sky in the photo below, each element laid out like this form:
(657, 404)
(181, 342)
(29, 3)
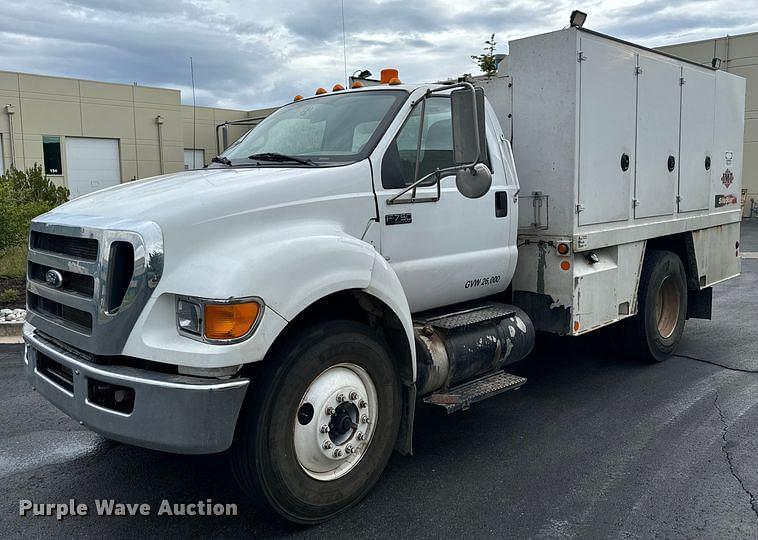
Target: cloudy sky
(258, 53)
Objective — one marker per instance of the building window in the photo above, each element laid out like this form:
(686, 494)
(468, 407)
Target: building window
(194, 159)
(51, 151)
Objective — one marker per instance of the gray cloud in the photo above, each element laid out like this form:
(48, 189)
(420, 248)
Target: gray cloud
(256, 54)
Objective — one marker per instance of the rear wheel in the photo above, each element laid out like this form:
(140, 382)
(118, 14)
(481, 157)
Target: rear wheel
(320, 426)
(655, 332)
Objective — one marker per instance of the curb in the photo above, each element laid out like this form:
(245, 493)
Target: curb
(11, 332)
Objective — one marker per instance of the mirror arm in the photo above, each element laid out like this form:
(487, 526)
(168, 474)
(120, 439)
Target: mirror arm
(438, 173)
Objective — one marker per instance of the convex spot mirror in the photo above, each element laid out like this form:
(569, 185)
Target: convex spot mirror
(474, 182)
(469, 141)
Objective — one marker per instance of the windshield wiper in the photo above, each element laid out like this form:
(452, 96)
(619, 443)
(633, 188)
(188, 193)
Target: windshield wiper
(223, 160)
(276, 156)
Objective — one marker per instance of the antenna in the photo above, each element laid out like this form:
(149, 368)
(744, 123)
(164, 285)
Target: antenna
(194, 118)
(344, 43)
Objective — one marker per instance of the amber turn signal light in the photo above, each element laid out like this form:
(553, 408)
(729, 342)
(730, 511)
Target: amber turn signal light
(229, 321)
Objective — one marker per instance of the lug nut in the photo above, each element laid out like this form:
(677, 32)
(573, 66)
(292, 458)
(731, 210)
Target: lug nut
(364, 419)
(340, 398)
(353, 396)
(362, 404)
(327, 445)
(330, 411)
(324, 429)
(360, 436)
(349, 449)
(337, 452)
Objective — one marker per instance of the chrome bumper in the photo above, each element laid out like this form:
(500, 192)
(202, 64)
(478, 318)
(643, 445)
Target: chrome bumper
(173, 413)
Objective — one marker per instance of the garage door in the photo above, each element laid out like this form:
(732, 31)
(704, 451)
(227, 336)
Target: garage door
(91, 164)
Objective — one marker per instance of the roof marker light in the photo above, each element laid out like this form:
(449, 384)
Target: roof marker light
(387, 75)
(357, 84)
(297, 98)
(338, 88)
(394, 81)
(320, 91)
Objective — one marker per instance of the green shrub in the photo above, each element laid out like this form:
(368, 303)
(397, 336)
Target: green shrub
(13, 262)
(7, 296)
(23, 196)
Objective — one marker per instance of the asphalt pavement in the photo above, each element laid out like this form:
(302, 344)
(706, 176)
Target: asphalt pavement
(594, 445)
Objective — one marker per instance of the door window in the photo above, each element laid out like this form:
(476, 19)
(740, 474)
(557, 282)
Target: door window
(408, 159)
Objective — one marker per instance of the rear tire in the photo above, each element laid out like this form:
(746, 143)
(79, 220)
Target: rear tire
(280, 452)
(654, 333)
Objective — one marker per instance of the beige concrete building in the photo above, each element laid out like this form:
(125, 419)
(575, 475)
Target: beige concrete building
(89, 135)
(739, 55)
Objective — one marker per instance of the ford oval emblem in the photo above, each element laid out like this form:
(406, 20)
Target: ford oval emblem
(54, 278)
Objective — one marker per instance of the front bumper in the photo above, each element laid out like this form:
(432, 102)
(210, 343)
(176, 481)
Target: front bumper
(173, 413)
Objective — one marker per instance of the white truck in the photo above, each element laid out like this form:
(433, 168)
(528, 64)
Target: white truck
(361, 250)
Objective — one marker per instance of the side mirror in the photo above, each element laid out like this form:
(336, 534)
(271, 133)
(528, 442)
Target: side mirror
(474, 182)
(467, 108)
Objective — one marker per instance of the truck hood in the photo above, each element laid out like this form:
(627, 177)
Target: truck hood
(193, 197)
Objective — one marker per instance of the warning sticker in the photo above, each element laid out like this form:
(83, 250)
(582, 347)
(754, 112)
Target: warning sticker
(727, 178)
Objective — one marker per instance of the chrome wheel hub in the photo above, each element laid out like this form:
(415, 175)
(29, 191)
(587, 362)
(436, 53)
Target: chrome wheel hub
(335, 421)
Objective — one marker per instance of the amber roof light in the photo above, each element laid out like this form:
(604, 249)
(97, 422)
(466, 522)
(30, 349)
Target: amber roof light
(388, 74)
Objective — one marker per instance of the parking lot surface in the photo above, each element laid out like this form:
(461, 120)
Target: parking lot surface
(594, 445)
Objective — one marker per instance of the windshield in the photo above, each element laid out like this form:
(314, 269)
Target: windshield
(334, 129)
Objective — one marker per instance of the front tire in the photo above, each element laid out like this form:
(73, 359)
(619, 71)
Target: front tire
(320, 425)
(657, 329)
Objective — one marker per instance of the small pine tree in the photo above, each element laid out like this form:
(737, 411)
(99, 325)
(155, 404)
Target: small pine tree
(486, 61)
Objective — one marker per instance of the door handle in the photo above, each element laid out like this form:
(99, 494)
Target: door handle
(501, 204)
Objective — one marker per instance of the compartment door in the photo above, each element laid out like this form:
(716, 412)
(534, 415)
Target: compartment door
(696, 160)
(606, 131)
(657, 167)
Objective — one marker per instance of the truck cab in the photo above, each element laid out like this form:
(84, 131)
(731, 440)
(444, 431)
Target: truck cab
(163, 312)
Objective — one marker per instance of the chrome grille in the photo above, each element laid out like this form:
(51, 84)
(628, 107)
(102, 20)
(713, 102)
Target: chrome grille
(109, 271)
(76, 248)
(70, 316)
(72, 282)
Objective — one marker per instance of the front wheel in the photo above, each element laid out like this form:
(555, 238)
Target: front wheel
(320, 426)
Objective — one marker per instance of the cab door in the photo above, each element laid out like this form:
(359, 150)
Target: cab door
(452, 249)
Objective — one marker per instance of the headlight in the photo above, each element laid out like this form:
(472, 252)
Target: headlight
(189, 317)
(217, 321)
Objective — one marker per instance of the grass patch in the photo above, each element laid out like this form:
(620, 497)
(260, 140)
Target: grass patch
(13, 262)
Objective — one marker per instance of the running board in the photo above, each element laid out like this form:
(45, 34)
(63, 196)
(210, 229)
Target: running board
(460, 398)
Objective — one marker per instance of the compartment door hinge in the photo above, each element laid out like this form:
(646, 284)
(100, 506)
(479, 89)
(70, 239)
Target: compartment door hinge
(580, 56)
(579, 208)
(635, 203)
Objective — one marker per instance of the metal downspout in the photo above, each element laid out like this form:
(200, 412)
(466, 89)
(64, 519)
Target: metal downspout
(11, 111)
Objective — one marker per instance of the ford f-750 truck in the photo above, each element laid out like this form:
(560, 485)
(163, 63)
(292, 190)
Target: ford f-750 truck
(362, 250)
